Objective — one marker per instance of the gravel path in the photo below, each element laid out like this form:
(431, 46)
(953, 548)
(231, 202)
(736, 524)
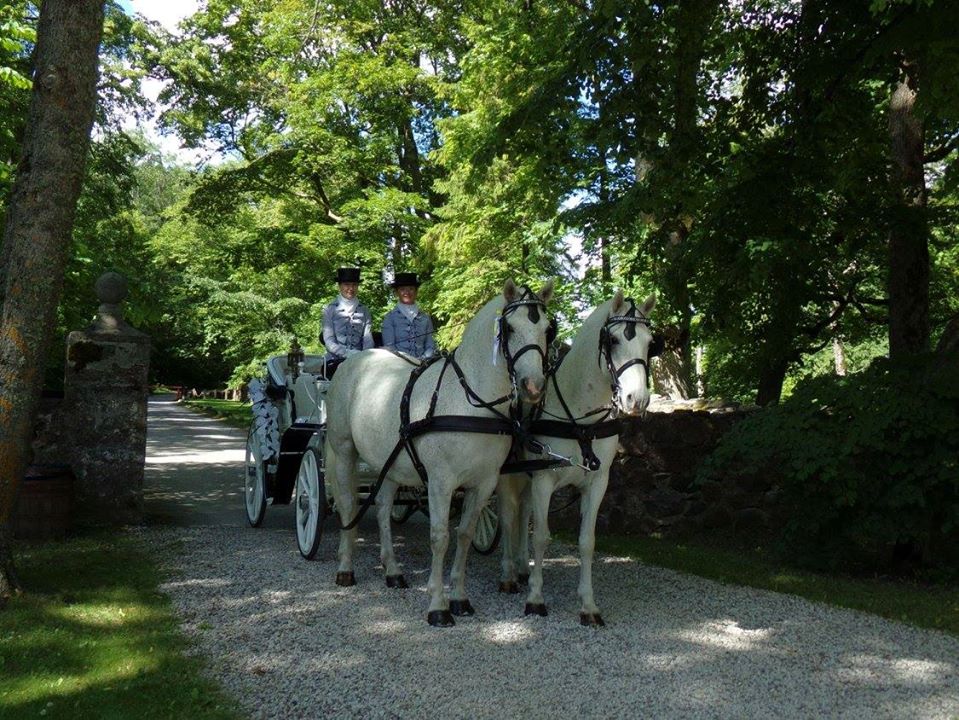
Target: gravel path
(288, 643)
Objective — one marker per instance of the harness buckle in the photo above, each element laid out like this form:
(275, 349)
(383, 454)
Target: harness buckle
(535, 446)
(546, 450)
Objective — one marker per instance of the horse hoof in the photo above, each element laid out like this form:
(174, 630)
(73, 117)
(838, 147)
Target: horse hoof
(523, 579)
(536, 609)
(396, 581)
(440, 618)
(509, 586)
(461, 607)
(591, 620)
(345, 579)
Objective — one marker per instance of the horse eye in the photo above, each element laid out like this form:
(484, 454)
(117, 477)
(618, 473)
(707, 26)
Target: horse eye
(613, 340)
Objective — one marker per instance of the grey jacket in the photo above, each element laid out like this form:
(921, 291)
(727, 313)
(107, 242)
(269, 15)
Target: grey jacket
(345, 332)
(413, 337)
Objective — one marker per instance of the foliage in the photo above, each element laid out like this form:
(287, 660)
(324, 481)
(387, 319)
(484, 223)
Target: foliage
(733, 155)
(866, 465)
(733, 158)
(331, 121)
(94, 638)
(17, 38)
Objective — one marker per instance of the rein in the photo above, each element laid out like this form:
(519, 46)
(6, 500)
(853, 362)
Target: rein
(502, 424)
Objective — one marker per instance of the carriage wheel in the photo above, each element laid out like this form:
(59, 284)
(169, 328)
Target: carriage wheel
(311, 504)
(254, 482)
(486, 537)
(401, 513)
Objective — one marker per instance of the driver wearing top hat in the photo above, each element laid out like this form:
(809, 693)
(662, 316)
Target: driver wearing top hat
(406, 328)
(347, 324)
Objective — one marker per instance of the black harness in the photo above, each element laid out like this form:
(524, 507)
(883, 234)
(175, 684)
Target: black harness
(571, 427)
(499, 424)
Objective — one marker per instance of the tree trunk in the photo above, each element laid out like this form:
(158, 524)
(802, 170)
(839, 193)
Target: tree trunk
(676, 369)
(39, 224)
(771, 380)
(949, 342)
(692, 25)
(839, 356)
(909, 234)
(671, 371)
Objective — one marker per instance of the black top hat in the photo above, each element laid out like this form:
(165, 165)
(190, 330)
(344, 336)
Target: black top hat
(405, 280)
(348, 275)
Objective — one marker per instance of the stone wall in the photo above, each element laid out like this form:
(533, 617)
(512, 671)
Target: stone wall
(652, 486)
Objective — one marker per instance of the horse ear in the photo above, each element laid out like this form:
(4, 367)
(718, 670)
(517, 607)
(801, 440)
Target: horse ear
(546, 294)
(648, 305)
(509, 291)
(618, 300)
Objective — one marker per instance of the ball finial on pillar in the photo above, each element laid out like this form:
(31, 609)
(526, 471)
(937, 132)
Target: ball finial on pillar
(111, 289)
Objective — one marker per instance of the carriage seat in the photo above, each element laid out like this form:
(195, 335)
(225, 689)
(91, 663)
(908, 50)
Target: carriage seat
(309, 395)
(313, 364)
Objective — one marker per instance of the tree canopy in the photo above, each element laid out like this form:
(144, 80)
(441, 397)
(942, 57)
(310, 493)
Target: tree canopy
(778, 172)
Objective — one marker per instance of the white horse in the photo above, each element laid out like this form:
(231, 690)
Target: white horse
(605, 373)
(501, 360)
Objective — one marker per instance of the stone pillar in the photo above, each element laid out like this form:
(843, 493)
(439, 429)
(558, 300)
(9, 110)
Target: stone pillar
(105, 410)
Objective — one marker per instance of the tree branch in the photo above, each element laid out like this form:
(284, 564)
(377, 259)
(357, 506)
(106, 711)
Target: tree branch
(943, 151)
(813, 330)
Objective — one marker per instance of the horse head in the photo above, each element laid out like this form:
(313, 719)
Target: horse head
(521, 333)
(624, 343)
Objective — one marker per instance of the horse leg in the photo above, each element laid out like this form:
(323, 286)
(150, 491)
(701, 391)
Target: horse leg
(589, 613)
(439, 614)
(508, 493)
(459, 603)
(384, 505)
(522, 529)
(343, 464)
(476, 499)
(540, 495)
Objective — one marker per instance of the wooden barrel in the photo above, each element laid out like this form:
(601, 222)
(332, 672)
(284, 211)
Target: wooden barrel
(44, 503)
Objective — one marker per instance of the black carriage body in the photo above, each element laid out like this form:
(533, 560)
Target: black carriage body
(292, 446)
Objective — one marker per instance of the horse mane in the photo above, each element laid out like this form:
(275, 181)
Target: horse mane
(586, 340)
(478, 332)
(593, 324)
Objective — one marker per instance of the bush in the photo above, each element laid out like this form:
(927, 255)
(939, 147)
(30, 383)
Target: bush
(867, 465)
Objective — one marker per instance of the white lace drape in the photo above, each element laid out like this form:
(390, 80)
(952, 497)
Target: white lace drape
(266, 425)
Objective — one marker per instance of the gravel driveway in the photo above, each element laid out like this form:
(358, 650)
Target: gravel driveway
(288, 643)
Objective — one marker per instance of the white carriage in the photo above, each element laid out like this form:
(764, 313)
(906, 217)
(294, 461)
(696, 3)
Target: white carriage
(285, 463)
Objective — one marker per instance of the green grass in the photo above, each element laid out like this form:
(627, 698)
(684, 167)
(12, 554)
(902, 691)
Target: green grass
(233, 412)
(93, 638)
(925, 606)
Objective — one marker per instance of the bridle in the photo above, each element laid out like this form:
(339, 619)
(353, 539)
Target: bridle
(603, 426)
(532, 301)
(631, 319)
